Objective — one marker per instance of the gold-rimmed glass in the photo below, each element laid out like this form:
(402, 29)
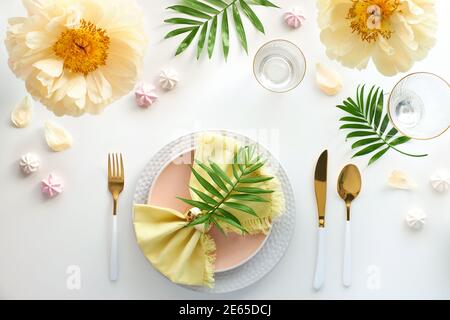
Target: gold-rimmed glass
(279, 65)
(419, 105)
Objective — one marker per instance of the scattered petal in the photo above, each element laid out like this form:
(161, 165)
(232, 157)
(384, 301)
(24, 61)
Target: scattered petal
(58, 138)
(22, 113)
(400, 180)
(328, 80)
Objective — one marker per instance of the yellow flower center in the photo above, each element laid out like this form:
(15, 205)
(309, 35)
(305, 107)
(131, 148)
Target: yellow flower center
(370, 18)
(83, 49)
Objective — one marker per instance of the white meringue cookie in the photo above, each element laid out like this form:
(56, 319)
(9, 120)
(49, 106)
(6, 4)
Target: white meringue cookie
(58, 138)
(440, 181)
(29, 163)
(168, 79)
(295, 17)
(22, 113)
(328, 80)
(400, 180)
(415, 219)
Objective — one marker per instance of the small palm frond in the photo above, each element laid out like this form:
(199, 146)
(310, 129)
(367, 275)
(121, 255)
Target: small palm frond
(202, 18)
(369, 122)
(222, 192)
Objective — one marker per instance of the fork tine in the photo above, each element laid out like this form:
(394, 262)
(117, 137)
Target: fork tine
(117, 166)
(122, 171)
(109, 166)
(113, 161)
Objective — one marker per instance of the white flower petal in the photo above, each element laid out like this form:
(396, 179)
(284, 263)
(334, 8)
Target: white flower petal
(58, 138)
(52, 67)
(35, 39)
(99, 89)
(76, 87)
(22, 113)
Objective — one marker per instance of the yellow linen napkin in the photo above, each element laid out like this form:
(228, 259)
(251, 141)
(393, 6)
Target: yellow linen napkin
(184, 255)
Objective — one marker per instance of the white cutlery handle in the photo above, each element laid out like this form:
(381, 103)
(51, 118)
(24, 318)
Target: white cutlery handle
(347, 273)
(319, 276)
(114, 262)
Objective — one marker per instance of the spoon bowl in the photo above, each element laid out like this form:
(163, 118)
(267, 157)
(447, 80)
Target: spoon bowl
(349, 185)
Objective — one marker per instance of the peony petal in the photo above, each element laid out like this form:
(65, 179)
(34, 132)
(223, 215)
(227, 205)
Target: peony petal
(59, 87)
(58, 138)
(98, 88)
(413, 8)
(76, 87)
(404, 31)
(35, 39)
(52, 67)
(33, 7)
(385, 46)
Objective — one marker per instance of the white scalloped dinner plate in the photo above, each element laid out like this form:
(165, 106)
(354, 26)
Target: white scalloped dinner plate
(267, 257)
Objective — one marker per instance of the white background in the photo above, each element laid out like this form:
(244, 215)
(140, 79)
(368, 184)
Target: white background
(40, 238)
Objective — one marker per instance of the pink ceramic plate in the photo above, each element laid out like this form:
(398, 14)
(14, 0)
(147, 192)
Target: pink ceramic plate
(232, 250)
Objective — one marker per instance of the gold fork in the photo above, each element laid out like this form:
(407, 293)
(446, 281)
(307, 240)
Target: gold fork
(116, 182)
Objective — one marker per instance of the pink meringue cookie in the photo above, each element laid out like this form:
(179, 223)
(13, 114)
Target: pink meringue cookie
(52, 186)
(295, 17)
(145, 95)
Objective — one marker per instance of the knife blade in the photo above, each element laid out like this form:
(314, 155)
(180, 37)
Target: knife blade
(320, 188)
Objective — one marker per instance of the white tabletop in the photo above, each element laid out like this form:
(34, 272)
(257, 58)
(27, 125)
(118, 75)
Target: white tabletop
(42, 240)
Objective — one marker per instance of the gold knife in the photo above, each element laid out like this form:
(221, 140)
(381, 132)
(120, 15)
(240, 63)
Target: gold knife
(320, 187)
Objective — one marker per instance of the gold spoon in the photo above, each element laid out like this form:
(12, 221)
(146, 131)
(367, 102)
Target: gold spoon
(348, 187)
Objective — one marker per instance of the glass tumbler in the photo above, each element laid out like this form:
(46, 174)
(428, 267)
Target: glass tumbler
(279, 66)
(419, 105)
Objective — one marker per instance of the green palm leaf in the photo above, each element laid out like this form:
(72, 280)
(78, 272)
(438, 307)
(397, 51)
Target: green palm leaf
(245, 163)
(198, 204)
(201, 40)
(205, 184)
(265, 3)
(189, 11)
(200, 6)
(204, 13)
(225, 35)
(212, 36)
(247, 197)
(252, 190)
(204, 197)
(176, 32)
(241, 207)
(369, 121)
(364, 142)
(183, 21)
(251, 16)
(218, 3)
(187, 41)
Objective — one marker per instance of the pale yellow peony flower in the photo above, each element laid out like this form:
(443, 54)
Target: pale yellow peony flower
(394, 33)
(77, 56)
